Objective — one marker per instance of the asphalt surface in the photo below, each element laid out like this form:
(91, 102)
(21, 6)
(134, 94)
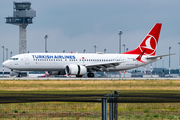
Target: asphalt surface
(74, 78)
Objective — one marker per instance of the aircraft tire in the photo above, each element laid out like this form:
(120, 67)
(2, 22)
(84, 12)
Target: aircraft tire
(90, 75)
(78, 75)
(19, 75)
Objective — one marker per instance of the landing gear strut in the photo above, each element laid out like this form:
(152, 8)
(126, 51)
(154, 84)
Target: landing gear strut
(90, 74)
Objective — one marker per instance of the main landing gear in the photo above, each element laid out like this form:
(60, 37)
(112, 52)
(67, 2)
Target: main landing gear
(90, 74)
(79, 76)
(19, 75)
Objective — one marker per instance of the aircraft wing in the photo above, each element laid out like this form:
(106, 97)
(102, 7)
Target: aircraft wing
(103, 66)
(160, 56)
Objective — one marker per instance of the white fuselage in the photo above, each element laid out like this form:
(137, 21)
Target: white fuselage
(58, 61)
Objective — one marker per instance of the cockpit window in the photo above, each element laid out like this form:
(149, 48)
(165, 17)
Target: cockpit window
(13, 58)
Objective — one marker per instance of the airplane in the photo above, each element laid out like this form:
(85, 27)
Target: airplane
(79, 64)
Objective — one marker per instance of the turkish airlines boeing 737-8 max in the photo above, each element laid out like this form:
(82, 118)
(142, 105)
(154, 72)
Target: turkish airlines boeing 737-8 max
(79, 64)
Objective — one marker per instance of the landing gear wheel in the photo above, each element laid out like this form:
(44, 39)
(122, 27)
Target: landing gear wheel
(19, 75)
(78, 75)
(90, 74)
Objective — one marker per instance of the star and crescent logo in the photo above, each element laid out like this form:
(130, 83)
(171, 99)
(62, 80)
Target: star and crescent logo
(150, 44)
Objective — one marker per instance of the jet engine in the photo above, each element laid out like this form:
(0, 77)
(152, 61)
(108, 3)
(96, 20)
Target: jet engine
(74, 69)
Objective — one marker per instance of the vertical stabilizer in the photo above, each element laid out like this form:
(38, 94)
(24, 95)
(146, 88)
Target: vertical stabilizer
(150, 42)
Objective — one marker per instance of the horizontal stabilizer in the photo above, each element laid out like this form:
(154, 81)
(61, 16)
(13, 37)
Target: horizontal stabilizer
(160, 56)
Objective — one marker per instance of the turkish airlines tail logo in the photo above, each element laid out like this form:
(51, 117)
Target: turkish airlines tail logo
(149, 44)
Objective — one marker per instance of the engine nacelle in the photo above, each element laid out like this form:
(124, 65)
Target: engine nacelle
(56, 72)
(74, 69)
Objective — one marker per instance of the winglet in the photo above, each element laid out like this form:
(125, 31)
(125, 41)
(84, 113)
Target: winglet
(139, 57)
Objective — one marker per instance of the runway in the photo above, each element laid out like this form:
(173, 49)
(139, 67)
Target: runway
(74, 78)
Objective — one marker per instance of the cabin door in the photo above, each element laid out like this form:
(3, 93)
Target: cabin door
(27, 61)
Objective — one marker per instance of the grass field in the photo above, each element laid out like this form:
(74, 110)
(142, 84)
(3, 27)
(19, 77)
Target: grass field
(88, 111)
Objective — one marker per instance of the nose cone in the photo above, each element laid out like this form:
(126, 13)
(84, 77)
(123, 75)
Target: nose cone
(6, 64)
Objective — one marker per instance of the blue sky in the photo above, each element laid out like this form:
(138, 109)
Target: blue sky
(77, 25)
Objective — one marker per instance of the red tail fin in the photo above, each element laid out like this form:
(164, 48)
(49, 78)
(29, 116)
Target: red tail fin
(149, 43)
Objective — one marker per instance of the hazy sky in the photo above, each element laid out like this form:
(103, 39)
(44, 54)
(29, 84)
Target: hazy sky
(75, 25)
